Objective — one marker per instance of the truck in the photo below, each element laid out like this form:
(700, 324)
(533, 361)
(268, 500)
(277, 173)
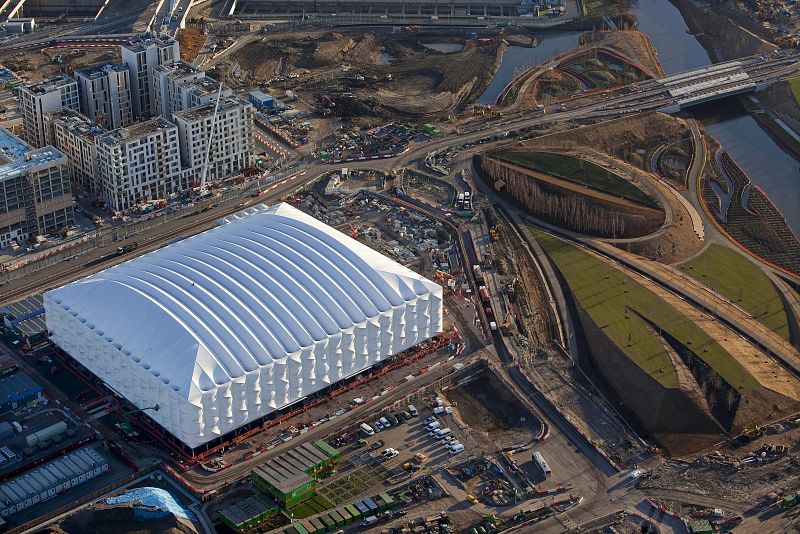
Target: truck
(539, 107)
(484, 293)
(124, 249)
(476, 271)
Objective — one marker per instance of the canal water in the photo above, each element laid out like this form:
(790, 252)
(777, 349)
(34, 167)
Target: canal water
(445, 48)
(518, 58)
(767, 165)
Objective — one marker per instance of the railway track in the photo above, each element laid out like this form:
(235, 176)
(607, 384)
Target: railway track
(146, 245)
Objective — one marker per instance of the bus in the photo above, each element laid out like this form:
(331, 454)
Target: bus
(539, 459)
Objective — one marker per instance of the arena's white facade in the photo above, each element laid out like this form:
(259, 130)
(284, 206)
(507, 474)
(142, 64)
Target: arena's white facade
(229, 325)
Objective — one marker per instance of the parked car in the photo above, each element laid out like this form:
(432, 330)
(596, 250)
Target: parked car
(390, 453)
(377, 445)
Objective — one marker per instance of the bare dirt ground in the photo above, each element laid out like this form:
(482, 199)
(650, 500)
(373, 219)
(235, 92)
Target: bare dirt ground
(724, 37)
(501, 424)
(553, 83)
(192, 41)
(380, 72)
(36, 65)
(631, 44)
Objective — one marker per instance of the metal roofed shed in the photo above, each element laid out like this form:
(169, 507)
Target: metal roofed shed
(17, 390)
(50, 479)
(26, 318)
(227, 326)
(248, 512)
(261, 100)
(291, 477)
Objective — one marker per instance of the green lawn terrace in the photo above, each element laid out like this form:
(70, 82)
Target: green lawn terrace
(741, 281)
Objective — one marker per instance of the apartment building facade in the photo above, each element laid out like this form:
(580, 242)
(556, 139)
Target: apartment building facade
(38, 99)
(228, 138)
(105, 95)
(141, 55)
(139, 162)
(166, 82)
(35, 192)
(75, 135)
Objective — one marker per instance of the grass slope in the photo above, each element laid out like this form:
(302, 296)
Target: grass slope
(794, 85)
(613, 300)
(578, 171)
(742, 282)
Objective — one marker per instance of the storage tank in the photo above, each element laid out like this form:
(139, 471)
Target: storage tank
(46, 433)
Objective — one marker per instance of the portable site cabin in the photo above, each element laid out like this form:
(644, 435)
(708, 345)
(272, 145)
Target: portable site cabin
(319, 526)
(337, 518)
(307, 526)
(347, 517)
(355, 513)
(362, 508)
(373, 507)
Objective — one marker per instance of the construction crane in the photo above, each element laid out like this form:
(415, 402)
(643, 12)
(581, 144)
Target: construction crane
(204, 170)
(125, 426)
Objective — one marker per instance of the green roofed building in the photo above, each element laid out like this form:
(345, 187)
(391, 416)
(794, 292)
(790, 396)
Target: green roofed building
(249, 512)
(291, 477)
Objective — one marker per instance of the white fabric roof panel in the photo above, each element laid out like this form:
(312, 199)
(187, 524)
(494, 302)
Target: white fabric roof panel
(226, 326)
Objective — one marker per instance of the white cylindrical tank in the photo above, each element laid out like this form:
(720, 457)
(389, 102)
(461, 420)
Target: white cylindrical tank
(46, 433)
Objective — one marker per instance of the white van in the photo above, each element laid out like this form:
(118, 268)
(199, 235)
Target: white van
(439, 410)
(368, 521)
(413, 410)
(430, 427)
(366, 429)
(442, 432)
(455, 448)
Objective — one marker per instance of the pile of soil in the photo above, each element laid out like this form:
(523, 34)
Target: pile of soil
(102, 519)
(191, 41)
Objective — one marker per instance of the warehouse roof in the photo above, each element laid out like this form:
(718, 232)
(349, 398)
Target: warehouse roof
(49, 476)
(248, 509)
(15, 387)
(26, 315)
(266, 283)
(289, 471)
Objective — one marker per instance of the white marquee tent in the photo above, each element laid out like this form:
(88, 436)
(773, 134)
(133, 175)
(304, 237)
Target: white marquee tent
(226, 326)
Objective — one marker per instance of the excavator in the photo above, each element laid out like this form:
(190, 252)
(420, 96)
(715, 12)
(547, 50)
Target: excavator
(353, 231)
(505, 326)
(126, 427)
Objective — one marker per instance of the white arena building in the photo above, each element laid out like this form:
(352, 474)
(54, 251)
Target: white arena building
(224, 327)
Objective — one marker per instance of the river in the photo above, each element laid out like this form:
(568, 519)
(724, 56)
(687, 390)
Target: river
(518, 58)
(767, 165)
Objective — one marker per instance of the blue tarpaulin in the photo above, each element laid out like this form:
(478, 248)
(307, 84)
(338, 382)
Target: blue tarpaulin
(153, 498)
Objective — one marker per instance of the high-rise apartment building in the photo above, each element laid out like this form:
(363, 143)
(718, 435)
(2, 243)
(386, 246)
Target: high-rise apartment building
(230, 136)
(74, 135)
(38, 99)
(166, 81)
(141, 55)
(35, 193)
(105, 94)
(139, 162)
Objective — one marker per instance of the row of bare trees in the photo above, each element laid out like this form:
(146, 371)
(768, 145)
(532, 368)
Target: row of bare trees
(568, 210)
